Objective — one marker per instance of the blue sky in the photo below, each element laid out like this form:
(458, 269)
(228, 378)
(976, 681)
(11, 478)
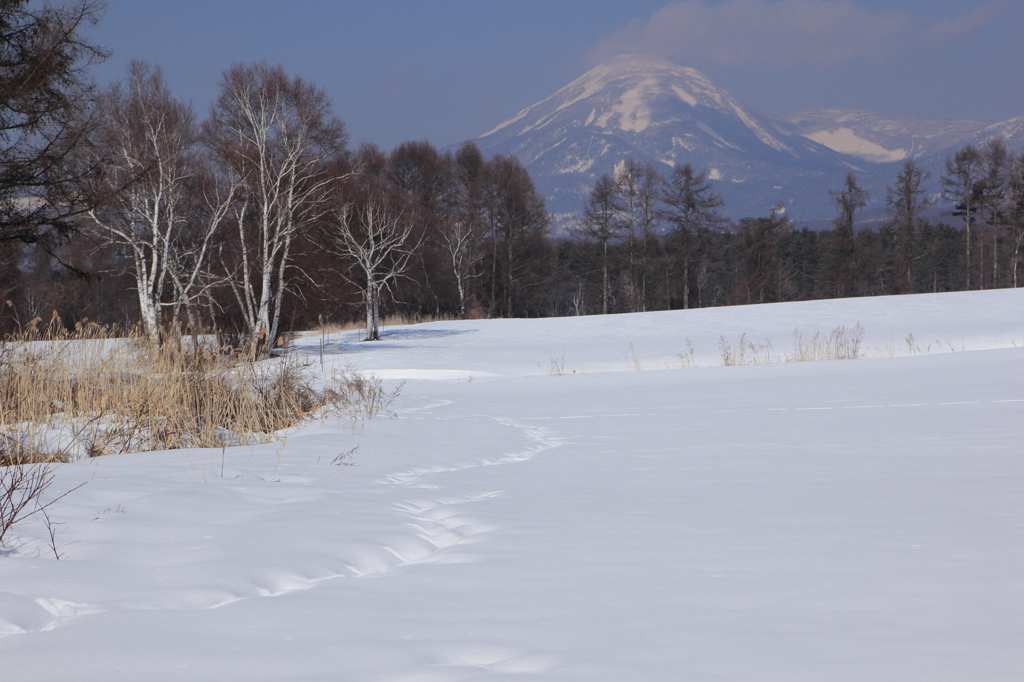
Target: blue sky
(448, 70)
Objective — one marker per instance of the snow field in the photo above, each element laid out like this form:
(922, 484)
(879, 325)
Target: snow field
(843, 520)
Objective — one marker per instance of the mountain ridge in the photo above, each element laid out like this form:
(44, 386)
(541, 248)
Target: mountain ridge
(653, 110)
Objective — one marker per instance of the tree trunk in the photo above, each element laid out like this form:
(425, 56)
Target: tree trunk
(148, 312)
(967, 232)
(995, 257)
(686, 283)
(604, 270)
(372, 309)
(981, 257)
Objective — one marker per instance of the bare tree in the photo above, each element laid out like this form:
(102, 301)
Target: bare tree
(149, 143)
(962, 185)
(996, 160)
(519, 223)
(600, 222)
(906, 201)
(462, 228)
(374, 237)
(273, 136)
(763, 280)
(1015, 210)
(691, 205)
(847, 201)
(637, 185)
(45, 97)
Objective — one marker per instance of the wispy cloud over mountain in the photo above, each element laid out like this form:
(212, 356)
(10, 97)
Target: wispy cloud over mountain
(817, 33)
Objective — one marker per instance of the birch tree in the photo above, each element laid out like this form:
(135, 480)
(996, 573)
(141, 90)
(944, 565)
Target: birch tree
(273, 136)
(462, 228)
(374, 237)
(147, 140)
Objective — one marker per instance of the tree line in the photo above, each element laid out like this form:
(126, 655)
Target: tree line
(646, 242)
(121, 206)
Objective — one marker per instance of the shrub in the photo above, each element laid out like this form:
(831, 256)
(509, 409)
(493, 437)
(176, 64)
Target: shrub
(21, 491)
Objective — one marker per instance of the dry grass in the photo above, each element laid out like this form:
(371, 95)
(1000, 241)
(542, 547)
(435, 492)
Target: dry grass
(747, 352)
(69, 395)
(842, 343)
(556, 366)
(686, 359)
(360, 397)
(633, 361)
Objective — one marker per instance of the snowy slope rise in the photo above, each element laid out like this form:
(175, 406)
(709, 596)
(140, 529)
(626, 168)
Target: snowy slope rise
(842, 520)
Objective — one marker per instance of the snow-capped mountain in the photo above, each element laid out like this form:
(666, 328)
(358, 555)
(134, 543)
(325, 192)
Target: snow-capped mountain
(656, 111)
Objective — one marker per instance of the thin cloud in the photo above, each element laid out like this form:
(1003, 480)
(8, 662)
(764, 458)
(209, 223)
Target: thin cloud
(962, 26)
(785, 33)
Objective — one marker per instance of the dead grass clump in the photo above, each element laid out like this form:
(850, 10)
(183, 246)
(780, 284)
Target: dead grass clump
(686, 359)
(747, 352)
(360, 397)
(842, 343)
(66, 395)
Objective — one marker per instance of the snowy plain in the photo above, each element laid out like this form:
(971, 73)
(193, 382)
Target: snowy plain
(533, 507)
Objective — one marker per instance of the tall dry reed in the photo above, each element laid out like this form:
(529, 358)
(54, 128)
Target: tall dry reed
(66, 395)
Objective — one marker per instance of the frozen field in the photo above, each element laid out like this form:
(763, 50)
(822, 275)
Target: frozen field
(541, 510)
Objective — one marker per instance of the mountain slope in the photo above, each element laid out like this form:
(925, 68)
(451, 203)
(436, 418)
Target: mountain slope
(878, 138)
(656, 111)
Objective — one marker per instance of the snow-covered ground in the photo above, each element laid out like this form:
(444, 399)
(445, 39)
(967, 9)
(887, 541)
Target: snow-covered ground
(846, 520)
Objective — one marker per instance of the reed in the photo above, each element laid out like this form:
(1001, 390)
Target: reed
(67, 395)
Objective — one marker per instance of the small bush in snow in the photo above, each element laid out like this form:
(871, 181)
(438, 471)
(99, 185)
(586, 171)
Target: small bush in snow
(21, 492)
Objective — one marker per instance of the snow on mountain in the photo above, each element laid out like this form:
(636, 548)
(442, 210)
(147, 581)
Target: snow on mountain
(1012, 132)
(878, 138)
(656, 111)
(653, 110)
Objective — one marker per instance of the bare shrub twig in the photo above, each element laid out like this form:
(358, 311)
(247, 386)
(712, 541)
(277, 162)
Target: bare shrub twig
(21, 490)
